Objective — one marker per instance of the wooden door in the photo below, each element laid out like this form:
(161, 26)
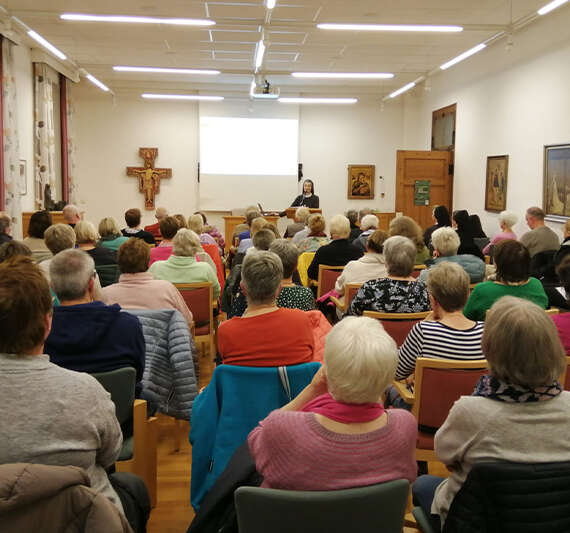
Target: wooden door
(415, 166)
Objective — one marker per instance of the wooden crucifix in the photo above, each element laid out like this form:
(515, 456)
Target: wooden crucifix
(149, 177)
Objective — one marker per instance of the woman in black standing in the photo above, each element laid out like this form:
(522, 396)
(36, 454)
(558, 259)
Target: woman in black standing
(441, 219)
(308, 198)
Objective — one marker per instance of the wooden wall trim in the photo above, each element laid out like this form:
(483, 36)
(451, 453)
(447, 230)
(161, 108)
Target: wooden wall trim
(64, 138)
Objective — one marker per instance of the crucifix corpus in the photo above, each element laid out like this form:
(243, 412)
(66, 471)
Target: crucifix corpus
(149, 177)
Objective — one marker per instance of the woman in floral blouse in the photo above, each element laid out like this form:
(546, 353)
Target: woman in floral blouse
(399, 292)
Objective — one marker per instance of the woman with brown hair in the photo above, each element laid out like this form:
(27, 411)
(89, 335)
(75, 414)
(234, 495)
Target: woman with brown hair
(408, 227)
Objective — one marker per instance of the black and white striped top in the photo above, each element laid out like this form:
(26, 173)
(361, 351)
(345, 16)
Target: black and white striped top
(438, 341)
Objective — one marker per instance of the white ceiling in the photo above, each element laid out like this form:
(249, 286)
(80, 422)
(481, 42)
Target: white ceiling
(295, 43)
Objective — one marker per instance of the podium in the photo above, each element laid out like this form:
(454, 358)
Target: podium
(230, 222)
(290, 211)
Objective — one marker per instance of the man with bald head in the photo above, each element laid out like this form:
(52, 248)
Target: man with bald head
(71, 215)
(160, 213)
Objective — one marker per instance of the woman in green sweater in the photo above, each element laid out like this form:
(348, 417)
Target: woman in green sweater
(513, 267)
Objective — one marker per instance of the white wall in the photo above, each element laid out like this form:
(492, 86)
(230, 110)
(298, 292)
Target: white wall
(508, 102)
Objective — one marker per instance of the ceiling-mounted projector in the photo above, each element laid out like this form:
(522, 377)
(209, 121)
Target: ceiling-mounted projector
(264, 90)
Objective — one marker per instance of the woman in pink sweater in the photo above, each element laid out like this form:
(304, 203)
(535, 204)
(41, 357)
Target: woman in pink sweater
(507, 219)
(336, 434)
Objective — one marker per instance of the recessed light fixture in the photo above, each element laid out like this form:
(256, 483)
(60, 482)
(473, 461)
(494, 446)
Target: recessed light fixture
(151, 96)
(308, 100)
(270, 4)
(136, 20)
(388, 27)
(343, 75)
(463, 56)
(165, 70)
(549, 7)
(259, 53)
(46, 44)
(403, 89)
(95, 81)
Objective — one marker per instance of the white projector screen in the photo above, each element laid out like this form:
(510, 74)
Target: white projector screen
(246, 160)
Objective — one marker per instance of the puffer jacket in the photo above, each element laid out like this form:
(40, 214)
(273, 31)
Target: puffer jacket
(169, 378)
(54, 499)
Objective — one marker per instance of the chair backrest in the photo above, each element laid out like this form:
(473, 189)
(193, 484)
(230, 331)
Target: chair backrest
(350, 290)
(518, 497)
(120, 384)
(327, 278)
(417, 270)
(439, 383)
(199, 298)
(375, 509)
(108, 274)
(398, 325)
(565, 378)
(213, 251)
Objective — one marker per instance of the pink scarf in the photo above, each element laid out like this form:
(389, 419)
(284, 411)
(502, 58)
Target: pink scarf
(346, 413)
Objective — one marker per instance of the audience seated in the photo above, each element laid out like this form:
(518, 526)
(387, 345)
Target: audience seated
(213, 232)
(464, 230)
(86, 237)
(251, 213)
(299, 223)
(441, 219)
(507, 219)
(196, 224)
(154, 229)
(39, 222)
(13, 248)
(86, 335)
(265, 335)
(110, 234)
(408, 227)
(71, 215)
(181, 221)
(540, 238)
(371, 265)
(562, 320)
(133, 229)
(446, 333)
(518, 413)
(513, 267)
(339, 252)
(368, 225)
(5, 228)
(479, 236)
(445, 242)
(168, 228)
(304, 232)
(182, 267)
(246, 243)
(399, 291)
(50, 415)
(565, 246)
(337, 424)
(355, 230)
(316, 236)
(137, 289)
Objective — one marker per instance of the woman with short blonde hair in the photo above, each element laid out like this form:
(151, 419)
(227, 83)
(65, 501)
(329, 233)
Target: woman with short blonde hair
(87, 240)
(110, 234)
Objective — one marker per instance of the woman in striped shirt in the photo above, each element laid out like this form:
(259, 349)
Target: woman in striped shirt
(446, 333)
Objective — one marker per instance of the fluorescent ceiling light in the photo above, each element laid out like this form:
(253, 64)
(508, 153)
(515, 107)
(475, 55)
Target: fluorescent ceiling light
(164, 70)
(95, 81)
(136, 20)
(259, 53)
(463, 56)
(343, 75)
(181, 97)
(46, 44)
(549, 7)
(301, 100)
(388, 27)
(270, 4)
(402, 89)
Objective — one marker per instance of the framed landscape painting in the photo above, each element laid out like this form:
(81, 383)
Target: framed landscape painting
(496, 183)
(557, 180)
(361, 182)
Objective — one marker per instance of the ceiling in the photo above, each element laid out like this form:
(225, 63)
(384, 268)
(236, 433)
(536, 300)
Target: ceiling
(294, 41)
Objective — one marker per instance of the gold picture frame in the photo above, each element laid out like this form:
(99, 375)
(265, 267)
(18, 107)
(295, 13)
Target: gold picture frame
(556, 181)
(496, 183)
(361, 182)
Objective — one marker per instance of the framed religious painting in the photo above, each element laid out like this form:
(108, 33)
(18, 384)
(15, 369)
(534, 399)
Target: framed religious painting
(556, 181)
(361, 182)
(496, 183)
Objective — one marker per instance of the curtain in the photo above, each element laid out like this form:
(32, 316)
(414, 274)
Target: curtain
(70, 142)
(44, 133)
(11, 145)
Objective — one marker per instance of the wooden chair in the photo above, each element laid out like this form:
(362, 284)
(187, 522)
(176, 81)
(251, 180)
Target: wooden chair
(138, 453)
(438, 384)
(199, 298)
(398, 325)
(564, 379)
(552, 311)
(213, 251)
(303, 263)
(350, 290)
(417, 270)
(328, 275)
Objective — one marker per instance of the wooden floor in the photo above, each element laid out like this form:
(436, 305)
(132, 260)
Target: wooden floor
(173, 512)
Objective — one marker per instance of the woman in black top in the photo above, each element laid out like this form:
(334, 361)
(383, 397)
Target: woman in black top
(463, 227)
(308, 198)
(441, 218)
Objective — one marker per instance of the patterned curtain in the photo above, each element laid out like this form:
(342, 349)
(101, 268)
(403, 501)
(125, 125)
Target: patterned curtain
(71, 142)
(44, 133)
(11, 145)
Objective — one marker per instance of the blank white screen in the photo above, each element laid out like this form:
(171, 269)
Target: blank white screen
(248, 146)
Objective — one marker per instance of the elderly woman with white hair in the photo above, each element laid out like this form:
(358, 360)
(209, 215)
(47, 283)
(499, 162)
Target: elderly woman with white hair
(445, 242)
(517, 413)
(110, 234)
(507, 219)
(182, 267)
(368, 225)
(399, 291)
(265, 335)
(337, 424)
(86, 239)
(339, 252)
